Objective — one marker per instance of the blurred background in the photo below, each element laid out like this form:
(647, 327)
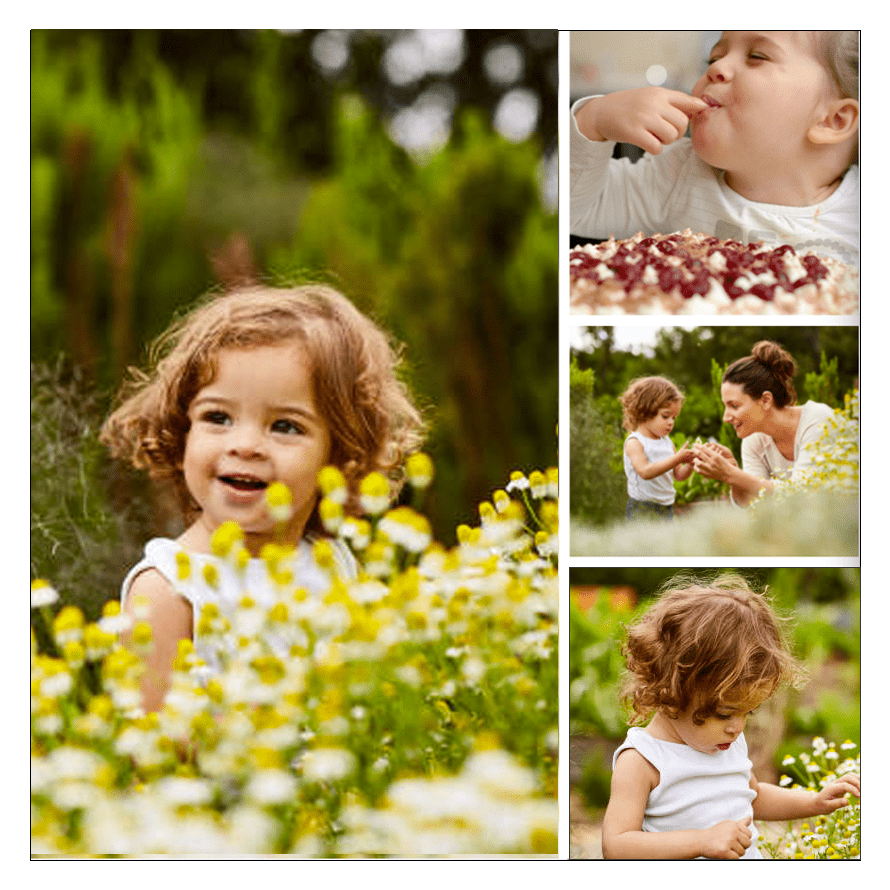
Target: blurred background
(604, 360)
(414, 170)
(608, 61)
(824, 632)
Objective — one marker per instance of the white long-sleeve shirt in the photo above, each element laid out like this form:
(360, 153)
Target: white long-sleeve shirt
(675, 190)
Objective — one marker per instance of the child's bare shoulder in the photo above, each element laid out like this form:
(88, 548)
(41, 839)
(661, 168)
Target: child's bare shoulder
(152, 588)
(633, 769)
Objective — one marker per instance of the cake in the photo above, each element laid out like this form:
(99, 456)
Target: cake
(688, 273)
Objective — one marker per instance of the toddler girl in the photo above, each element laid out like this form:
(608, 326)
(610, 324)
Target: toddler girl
(772, 155)
(255, 386)
(701, 660)
(651, 405)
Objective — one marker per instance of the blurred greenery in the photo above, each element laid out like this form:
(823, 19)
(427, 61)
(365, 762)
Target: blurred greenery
(823, 608)
(695, 359)
(168, 163)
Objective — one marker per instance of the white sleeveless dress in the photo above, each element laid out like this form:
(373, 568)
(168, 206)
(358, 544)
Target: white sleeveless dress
(695, 790)
(230, 586)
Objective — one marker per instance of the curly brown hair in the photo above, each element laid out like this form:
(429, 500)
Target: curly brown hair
(705, 644)
(769, 368)
(372, 420)
(645, 397)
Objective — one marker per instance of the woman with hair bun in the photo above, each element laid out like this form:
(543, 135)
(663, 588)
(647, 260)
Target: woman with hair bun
(776, 432)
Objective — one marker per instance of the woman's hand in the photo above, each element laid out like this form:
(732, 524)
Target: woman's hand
(714, 461)
(649, 117)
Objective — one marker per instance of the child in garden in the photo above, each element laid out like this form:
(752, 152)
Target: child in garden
(255, 386)
(701, 660)
(773, 153)
(651, 405)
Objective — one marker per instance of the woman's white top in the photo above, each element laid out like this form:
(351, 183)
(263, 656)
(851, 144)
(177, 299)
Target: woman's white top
(659, 490)
(232, 584)
(695, 790)
(762, 458)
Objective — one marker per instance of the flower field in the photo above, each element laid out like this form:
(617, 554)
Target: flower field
(411, 710)
(836, 836)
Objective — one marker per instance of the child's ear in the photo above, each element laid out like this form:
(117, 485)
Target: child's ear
(839, 122)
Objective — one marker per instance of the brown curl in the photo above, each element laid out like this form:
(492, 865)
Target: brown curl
(645, 397)
(705, 645)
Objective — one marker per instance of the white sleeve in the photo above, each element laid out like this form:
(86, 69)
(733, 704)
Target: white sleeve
(617, 197)
(813, 426)
(754, 457)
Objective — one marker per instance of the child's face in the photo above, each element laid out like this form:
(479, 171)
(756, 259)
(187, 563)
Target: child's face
(744, 413)
(717, 732)
(254, 424)
(766, 89)
(661, 425)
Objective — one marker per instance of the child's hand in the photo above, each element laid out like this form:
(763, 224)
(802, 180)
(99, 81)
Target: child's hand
(728, 840)
(650, 117)
(832, 797)
(685, 454)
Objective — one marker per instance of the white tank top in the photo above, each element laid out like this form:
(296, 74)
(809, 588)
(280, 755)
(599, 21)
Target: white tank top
(695, 790)
(659, 490)
(228, 590)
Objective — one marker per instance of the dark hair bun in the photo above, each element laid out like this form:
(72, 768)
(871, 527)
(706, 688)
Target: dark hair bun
(778, 360)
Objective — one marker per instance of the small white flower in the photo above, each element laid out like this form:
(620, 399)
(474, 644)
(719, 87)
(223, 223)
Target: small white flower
(42, 594)
(271, 786)
(327, 764)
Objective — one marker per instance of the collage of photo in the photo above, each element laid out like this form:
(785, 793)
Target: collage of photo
(319, 321)
(714, 409)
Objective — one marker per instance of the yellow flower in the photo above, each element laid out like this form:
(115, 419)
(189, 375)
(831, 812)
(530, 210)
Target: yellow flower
(332, 484)
(42, 594)
(225, 537)
(374, 493)
(183, 565)
(279, 501)
(419, 469)
(331, 513)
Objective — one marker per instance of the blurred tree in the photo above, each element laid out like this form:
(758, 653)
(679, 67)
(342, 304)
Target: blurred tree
(165, 163)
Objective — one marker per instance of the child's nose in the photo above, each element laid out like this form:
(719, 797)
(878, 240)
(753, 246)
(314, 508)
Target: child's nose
(245, 439)
(735, 725)
(719, 70)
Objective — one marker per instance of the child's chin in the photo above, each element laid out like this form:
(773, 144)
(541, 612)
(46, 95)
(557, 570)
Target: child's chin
(704, 148)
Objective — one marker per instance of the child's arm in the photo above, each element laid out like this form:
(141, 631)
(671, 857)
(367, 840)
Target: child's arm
(623, 836)
(686, 456)
(774, 803)
(647, 470)
(170, 619)
(650, 117)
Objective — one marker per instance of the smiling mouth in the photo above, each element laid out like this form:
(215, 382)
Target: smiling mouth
(712, 102)
(243, 483)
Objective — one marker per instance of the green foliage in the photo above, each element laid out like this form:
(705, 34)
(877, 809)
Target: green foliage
(150, 186)
(595, 667)
(825, 386)
(598, 486)
(458, 259)
(80, 536)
